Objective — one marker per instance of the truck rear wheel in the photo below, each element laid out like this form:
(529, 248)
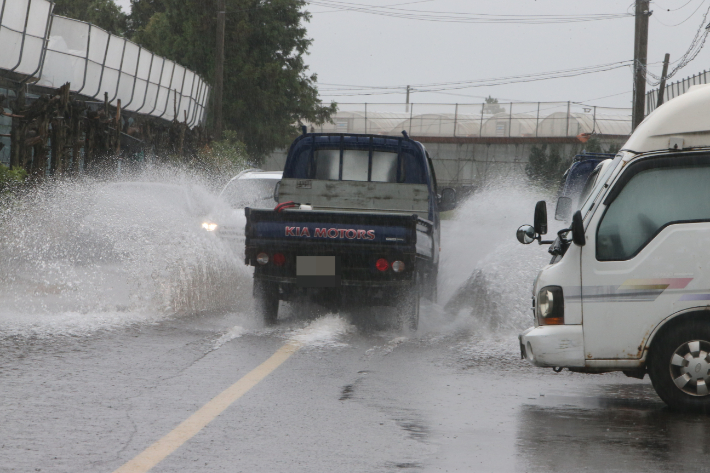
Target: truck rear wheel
(408, 307)
(266, 300)
(679, 366)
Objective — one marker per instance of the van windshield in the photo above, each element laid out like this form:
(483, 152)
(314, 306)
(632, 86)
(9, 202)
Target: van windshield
(588, 200)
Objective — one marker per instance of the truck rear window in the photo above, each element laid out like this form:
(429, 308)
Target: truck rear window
(356, 164)
(356, 158)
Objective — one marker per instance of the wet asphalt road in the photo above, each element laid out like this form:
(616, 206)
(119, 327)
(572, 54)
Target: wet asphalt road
(351, 400)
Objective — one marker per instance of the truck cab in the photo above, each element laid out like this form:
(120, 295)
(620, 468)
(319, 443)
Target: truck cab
(357, 221)
(628, 286)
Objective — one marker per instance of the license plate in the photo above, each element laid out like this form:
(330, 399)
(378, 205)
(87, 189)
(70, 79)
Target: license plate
(318, 271)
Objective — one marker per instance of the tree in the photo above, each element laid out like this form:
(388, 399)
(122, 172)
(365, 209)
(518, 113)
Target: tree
(102, 13)
(595, 146)
(267, 86)
(546, 166)
(141, 13)
(492, 106)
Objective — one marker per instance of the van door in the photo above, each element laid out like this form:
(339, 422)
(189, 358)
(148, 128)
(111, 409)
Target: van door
(646, 254)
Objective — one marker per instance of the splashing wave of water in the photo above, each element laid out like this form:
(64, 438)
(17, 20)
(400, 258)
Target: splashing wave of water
(77, 256)
(485, 274)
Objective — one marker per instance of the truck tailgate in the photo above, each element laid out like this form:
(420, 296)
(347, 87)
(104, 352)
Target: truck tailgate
(333, 229)
(357, 239)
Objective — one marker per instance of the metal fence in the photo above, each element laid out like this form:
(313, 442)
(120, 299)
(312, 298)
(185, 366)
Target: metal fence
(674, 90)
(49, 51)
(503, 120)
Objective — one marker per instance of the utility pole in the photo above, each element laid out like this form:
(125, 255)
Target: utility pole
(219, 69)
(640, 58)
(408, 89)
(662, 86)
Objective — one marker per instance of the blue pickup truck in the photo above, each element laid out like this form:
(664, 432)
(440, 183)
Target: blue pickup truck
(357, 222)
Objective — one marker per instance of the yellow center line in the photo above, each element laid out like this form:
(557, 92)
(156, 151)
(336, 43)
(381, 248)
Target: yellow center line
(157, 452)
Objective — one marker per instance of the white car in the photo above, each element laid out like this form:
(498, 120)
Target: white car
(628, 287)
(251, 188)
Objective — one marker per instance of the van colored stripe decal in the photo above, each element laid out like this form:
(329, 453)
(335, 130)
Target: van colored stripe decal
(632, 290)
(695, 297)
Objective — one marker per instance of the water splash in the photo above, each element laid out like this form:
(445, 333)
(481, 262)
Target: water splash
(77, 256)
(326, 331)
(485, 275)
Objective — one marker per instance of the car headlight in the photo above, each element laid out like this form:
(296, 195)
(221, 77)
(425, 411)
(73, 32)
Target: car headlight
(550, 306)
(209, 226)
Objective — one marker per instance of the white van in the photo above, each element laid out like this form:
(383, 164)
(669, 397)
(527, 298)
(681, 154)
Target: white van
(628, 287)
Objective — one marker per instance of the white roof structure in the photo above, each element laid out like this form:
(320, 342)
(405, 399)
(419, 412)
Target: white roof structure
(50, 50)
(683, 121)
(376, 123)
(506, 125)
(440, 124)
(556, 124)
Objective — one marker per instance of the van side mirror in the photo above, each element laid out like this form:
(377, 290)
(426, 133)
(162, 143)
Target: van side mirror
(540, 221)
(525, 234)
(563, 209)
(578, 229)
(447, 200)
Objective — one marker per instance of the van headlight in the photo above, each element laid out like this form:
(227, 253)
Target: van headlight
(550, 306)
(209, 226)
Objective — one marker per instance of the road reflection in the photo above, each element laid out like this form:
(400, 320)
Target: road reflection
(619, 428)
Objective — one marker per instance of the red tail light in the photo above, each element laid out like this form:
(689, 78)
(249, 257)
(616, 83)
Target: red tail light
(279, 259)
(382, 264)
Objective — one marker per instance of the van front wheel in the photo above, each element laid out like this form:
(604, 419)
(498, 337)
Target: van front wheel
(679, 366)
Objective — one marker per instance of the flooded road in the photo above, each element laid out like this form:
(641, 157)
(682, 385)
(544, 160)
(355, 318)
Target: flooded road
(346, 401)
(106, 354)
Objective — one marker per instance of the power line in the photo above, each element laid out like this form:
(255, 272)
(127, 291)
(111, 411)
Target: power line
(349, 91)
(462, 17)
(688, 18)
(696, 45)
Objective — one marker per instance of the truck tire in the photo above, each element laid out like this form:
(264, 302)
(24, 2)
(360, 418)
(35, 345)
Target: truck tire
(408, 307)
(266, 300)
(430, 291)
(679, 366)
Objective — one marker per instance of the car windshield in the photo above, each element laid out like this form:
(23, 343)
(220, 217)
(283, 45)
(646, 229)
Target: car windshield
(241, 193)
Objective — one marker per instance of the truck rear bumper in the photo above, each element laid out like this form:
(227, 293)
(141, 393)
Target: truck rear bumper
(349, 294)
(289, 281)
(553, 346)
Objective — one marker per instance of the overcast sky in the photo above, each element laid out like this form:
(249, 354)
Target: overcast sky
(362, 49)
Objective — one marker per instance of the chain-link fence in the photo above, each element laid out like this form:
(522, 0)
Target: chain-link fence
(501, 120)
(674, 90)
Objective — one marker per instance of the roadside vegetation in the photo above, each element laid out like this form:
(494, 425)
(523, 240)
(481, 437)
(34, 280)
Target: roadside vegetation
(268, 88)
(547, 164)
(226, 157)
(11, 179)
